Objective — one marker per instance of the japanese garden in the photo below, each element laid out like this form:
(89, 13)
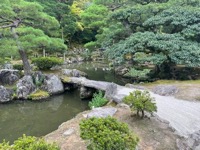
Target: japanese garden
(99, 74)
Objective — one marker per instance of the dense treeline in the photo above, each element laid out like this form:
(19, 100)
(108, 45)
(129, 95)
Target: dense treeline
(164, 33)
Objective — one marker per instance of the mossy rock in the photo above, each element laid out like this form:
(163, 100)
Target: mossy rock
(65, 79)
(38, 95)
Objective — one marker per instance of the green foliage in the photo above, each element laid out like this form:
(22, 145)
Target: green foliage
(45, 63)
(28, 143)
(138, 74)
(140, 101)
(107, 134)
(18, 66)
(94, 15)
(91, 45)
(98, 100)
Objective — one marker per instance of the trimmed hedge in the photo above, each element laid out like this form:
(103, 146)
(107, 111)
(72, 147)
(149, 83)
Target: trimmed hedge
(45, 63)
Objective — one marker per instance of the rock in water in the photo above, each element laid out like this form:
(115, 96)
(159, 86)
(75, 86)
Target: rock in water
(5, 94)
(25, 86)
(102, 112)
(8, 76)
(73, 73)
(86, 92)
(52, 84)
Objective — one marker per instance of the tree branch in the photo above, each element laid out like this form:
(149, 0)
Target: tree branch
(6, 19)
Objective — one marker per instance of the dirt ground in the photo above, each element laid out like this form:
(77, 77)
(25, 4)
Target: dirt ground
(153, 134)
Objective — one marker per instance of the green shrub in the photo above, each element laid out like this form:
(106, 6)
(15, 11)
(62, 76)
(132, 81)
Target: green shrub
(139, 74)
(28, 143)
(140, 101)
(18, 66)
(45, 63)
(98, 100)
(107, 134)
(91, 45)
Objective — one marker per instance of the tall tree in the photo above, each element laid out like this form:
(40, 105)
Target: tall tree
(16, 14)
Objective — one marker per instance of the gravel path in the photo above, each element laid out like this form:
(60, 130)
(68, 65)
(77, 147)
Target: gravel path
(183, 116)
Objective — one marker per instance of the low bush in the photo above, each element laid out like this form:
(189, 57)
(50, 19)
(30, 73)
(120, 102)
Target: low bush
(140, 101)
(107, 134)
(98, 100)
(18, 66)
(138, 74)
(28, 143)
(45, 63)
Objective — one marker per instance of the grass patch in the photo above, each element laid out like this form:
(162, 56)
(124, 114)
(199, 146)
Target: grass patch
(65, 79)
(39, 94)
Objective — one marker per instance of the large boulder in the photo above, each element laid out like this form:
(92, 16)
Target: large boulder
(165, 90)
(52, 84)
(5, 94)
(25, 86)
(73, 73)
(102, 112)
(8, 76)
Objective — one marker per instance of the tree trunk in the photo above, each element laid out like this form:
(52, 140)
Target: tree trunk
(138, 113)
(44, 53)
(142, 113)
(26, 65)
(64, 56)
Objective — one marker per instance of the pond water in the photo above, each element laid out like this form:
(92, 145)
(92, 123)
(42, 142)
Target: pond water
(41, 118)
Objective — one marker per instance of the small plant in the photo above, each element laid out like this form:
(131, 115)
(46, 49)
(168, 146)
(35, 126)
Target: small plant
(28, 143)
(98, 100)
(45, 63)
(140, 101)
(107, 134)
(38, 80)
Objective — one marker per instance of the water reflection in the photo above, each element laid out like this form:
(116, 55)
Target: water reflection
(38, 118)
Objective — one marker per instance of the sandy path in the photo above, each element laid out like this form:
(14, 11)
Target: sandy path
(183, 116)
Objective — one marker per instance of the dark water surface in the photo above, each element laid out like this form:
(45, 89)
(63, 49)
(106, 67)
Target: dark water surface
(41, 118)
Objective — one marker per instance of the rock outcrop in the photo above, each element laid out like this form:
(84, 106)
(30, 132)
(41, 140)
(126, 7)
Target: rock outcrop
(102, 112)
(52, 84)
(8, 76)
(165, 90)
(5, 95)
(25, 86)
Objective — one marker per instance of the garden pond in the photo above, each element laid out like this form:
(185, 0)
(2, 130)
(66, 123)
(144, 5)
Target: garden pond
(42, 117)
